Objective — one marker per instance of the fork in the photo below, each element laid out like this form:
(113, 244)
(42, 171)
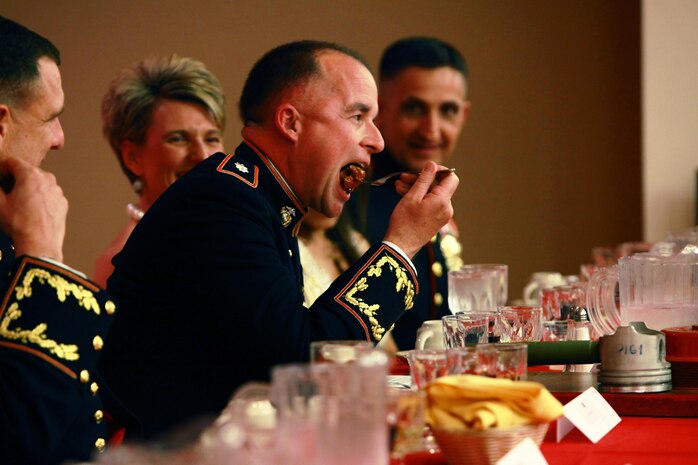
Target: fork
(384, 179)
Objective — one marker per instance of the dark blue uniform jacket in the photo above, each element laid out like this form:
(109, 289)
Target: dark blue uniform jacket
(210, 293)
(52, 327)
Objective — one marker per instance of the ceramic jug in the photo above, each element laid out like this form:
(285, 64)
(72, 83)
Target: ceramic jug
(430, 335)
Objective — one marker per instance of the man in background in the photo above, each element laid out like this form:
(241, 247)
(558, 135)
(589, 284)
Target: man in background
(210, 282)
(423, 108)
(52, 319)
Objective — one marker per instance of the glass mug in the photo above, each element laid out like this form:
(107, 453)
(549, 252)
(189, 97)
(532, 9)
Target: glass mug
(472, 290)
(502, 272)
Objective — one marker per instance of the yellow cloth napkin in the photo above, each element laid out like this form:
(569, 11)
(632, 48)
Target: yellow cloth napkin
(478, 402)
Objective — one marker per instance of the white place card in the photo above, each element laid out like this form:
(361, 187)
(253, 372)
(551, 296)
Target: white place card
(589, 413)
(525, 453)
(562, 427)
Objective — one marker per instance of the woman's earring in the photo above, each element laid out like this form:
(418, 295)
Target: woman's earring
(137, 185)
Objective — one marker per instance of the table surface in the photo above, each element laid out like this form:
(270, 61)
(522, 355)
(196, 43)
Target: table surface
(635, 440)
(675, 403)
(655, 428)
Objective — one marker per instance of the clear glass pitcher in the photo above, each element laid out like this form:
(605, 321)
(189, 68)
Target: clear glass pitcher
(656, 287)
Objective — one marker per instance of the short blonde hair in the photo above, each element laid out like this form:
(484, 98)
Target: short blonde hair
(133, 94)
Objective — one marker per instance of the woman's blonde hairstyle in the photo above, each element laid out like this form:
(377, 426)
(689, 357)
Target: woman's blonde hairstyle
(128, 106)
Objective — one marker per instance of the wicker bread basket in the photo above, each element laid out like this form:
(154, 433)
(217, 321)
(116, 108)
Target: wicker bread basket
(484, 447)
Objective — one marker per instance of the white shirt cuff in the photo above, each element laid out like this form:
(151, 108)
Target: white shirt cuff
(64, 266)
(399, 250)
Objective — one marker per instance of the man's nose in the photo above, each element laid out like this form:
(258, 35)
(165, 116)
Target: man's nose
(374, 140)
(58, 138)
(430, 127)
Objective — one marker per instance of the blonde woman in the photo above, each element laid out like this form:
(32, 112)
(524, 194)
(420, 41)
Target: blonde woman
(161, 117)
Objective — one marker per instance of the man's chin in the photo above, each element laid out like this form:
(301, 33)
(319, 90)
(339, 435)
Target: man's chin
(333, 211)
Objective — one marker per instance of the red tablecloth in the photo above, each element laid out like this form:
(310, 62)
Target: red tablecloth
(635, 440)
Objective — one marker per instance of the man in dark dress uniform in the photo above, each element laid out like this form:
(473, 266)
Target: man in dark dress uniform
(210, 282)
(52, 319)
(423, 108)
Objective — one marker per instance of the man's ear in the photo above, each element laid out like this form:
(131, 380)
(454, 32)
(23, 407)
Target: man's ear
(287, 121)
(466, 112)
(4, 122)
(131, 156)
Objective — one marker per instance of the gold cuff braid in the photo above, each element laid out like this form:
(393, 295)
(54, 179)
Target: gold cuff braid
(37, 335)
(370, 310)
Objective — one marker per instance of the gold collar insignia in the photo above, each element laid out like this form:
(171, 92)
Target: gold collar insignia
(242, 168)
(287, 214)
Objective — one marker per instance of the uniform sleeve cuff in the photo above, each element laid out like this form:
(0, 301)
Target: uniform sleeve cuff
(64, 266)
(402, 254)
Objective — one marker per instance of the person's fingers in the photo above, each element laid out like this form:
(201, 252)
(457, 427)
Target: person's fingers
(9, 168)
(422, 184)
(445, 183)
(10, 165)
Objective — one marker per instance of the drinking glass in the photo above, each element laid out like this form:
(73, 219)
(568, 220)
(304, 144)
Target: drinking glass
(451, 334)
(496, 329)
(406, 423)
(499, 360)
(338, 406)
(338, 351)
(548, 300)
(472, 290)
(555, 330)
(473, 327)
(245, 432)
(425, 366)
(523, 323)
(465, 328)
(502, 279)
(511, 360)
(477, 359)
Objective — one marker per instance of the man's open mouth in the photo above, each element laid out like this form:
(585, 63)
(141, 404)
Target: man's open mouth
(351, 177)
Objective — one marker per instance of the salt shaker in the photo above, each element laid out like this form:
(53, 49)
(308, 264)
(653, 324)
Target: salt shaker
(579, 329)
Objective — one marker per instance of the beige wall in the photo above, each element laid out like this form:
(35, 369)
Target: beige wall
(670, 116)
(549, 160)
